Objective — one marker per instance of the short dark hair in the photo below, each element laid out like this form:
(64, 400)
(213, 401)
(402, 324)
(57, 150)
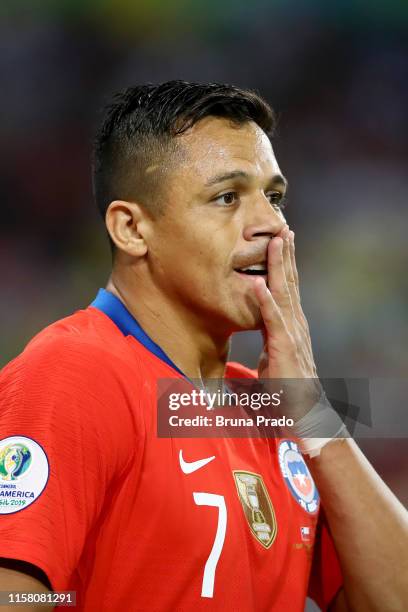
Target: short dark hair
(140, 125)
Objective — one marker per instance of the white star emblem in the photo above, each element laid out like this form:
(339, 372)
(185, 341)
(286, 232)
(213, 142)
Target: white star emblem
(301, 478)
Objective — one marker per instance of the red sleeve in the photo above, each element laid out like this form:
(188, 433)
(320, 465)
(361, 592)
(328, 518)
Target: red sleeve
(326, 578)
(65, 398)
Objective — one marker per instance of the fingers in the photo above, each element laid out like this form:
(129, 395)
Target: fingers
(295, 293)
(295, 286)
(271, 313)
(292, 280)
(286, 336)
(287, 261)
(292, 260)
(288, 237)
(277, 280)
(280, 347)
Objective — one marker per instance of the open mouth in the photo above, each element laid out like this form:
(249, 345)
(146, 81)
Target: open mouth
(254, 270)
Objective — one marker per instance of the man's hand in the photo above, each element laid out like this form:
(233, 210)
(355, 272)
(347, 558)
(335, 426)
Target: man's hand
(287, 351)
(368, 524)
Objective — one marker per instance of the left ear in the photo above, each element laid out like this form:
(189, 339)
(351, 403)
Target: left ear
(125, 222)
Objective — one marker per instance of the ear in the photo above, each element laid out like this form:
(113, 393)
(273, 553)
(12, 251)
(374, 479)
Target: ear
(125, 222)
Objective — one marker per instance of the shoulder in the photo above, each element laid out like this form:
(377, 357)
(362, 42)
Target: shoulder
(87, 331)
(81, 359)
(70, 384)
(86, 340)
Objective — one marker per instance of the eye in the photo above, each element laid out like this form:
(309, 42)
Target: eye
(227, 199)
(277, 199)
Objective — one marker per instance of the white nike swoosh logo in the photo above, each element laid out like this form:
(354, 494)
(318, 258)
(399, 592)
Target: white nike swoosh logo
(192, 466)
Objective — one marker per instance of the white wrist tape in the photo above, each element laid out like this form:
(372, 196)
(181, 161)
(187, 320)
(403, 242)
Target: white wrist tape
(318, 427)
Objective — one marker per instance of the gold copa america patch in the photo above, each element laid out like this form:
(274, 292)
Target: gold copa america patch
(257, 506)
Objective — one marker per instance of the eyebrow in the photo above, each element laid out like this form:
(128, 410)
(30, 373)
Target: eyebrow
(278, 179)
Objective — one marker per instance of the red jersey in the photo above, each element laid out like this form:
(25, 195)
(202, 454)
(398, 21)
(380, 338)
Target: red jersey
(130, 521)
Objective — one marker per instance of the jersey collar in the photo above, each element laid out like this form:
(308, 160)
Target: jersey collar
(108, 303)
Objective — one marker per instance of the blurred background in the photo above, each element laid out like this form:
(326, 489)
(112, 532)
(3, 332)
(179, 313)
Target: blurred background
(337, 75)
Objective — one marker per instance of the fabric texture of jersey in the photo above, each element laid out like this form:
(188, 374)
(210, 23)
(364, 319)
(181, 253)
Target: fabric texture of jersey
(119, 521)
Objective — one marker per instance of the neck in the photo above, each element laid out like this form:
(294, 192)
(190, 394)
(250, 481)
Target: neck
(190, 344)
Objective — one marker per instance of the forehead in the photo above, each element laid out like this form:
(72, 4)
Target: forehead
(215, 144)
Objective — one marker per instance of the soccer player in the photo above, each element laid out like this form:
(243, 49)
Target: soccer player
(91, 499)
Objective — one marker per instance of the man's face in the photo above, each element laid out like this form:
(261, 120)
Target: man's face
(221, 207)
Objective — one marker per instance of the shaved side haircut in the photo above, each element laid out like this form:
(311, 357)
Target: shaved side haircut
(136, 143)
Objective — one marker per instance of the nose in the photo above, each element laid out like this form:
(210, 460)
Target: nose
(264, 220)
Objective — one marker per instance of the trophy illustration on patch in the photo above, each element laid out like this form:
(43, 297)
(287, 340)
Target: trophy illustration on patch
(257, 506)
(15, 459)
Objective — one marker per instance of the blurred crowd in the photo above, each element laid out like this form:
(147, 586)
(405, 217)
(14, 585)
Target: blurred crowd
(337, 77)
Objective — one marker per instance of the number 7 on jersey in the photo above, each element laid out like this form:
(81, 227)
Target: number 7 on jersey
(217, 501)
